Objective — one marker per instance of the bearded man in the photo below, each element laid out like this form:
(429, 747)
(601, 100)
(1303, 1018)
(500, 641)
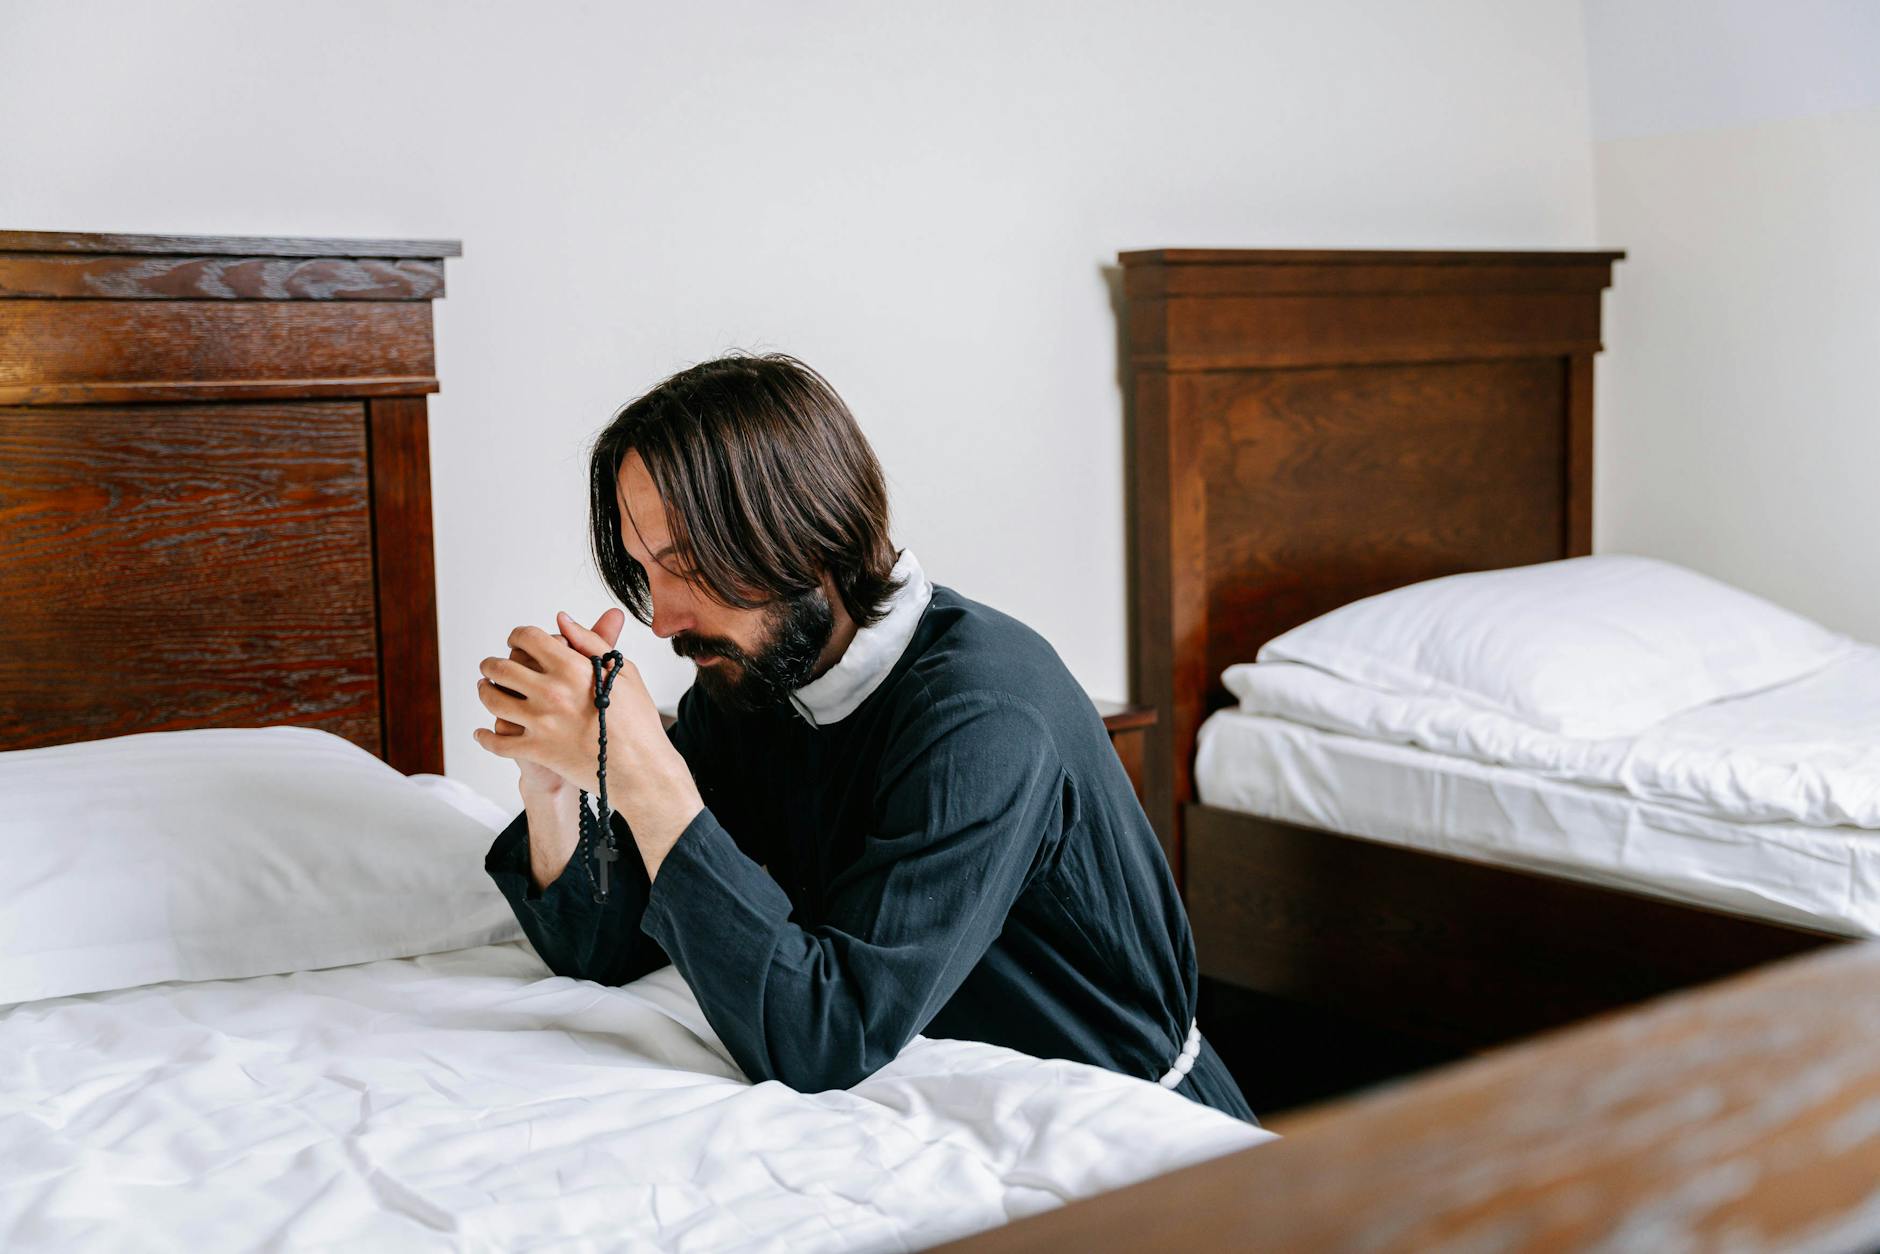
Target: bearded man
(884, 808)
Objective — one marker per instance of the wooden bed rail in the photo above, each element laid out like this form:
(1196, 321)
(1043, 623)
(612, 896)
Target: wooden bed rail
(1744, 1116)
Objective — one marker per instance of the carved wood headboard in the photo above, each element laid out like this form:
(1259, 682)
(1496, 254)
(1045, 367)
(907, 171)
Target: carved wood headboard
(215, 503)
(1312, 427)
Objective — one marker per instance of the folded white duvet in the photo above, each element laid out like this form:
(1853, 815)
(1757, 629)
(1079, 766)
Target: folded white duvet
(472, 1101)
(1803, 752)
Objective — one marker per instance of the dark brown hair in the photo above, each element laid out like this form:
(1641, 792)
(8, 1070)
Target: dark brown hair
(767, 483)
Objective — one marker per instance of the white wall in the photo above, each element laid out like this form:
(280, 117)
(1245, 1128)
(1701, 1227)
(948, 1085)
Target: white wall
(918, 200)
(1738, 163)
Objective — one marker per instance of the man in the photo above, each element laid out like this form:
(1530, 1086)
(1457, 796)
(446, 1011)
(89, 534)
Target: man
(885, 809)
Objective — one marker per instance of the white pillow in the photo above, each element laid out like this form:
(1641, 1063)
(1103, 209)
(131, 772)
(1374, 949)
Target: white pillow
(230, 852)
(1587, 647)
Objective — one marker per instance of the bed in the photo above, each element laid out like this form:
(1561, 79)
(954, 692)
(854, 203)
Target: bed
(1765, 804)
(459, 1096)
(256, 989)
(1312, 429)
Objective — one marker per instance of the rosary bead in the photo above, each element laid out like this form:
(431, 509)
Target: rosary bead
(604, 836)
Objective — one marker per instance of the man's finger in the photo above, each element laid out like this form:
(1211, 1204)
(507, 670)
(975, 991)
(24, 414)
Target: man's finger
(517, 655)
(502, 726)
(501, 746)
(608, 625)
(516, 678)
(532, 640)
(500, 703)
(590, 640)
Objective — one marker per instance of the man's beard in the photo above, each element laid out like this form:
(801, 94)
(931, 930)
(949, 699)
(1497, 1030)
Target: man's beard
(799, 628)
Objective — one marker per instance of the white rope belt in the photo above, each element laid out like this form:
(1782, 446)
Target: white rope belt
(1184, 1060)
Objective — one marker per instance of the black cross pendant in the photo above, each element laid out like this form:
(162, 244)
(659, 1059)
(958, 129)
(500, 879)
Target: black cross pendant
(603, 855)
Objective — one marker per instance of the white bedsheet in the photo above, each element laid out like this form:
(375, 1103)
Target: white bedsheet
(1822, 877)
(1804, 752)
(473, 1101)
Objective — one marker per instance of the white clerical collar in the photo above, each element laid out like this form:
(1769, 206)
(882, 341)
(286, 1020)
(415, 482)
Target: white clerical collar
(834, 694)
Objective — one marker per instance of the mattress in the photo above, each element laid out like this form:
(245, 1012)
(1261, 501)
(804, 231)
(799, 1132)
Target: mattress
(471, 1100)
(1805, 751)
(1825, 877)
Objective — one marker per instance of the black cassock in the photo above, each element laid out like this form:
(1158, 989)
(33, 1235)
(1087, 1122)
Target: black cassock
(962, 855)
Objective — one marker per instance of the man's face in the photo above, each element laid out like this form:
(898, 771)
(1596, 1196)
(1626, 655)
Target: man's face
(747, 659)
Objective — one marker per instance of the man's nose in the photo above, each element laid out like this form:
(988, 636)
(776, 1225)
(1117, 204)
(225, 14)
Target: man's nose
(670, 622)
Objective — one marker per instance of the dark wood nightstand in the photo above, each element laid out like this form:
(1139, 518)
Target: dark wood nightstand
(1128, 726)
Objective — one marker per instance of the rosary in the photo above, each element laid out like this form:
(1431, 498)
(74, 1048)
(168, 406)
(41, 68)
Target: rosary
(602, 830)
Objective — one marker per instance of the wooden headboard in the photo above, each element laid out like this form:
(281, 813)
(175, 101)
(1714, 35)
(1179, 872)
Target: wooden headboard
(1312, 427)
(215, 503)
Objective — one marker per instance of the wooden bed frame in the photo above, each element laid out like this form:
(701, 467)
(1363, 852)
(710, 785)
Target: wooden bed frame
(215, 487)
(1310, 428)
(1587, 1138)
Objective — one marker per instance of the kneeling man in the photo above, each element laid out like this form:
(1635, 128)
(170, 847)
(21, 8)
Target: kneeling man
(885, 808)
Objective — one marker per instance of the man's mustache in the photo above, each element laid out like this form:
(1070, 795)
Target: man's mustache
(688, 645)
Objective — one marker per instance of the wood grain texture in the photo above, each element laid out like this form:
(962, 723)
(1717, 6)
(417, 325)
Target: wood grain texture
(1744, 1116)
(1320, 330)
(165, 568)
(1271, 278)
(82, 276)
(223, 245)
(171, 391)
(1312, 426)
(243, 550)
(1453, 952)
(406, 585)
(1151, 605)
(1123, 715)
(78, 347)
(1169, 614)
(1327, 485)
(1324, 261)
(1579, 467)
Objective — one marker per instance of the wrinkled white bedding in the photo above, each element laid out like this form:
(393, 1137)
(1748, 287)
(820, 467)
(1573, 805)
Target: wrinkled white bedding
(470, 1100)
(1825, 878)
(1804, 752)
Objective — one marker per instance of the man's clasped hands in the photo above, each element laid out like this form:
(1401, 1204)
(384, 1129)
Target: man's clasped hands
(542, 695)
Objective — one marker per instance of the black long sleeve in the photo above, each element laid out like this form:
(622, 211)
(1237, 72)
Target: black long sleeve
(575, 935)
(967, 796)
